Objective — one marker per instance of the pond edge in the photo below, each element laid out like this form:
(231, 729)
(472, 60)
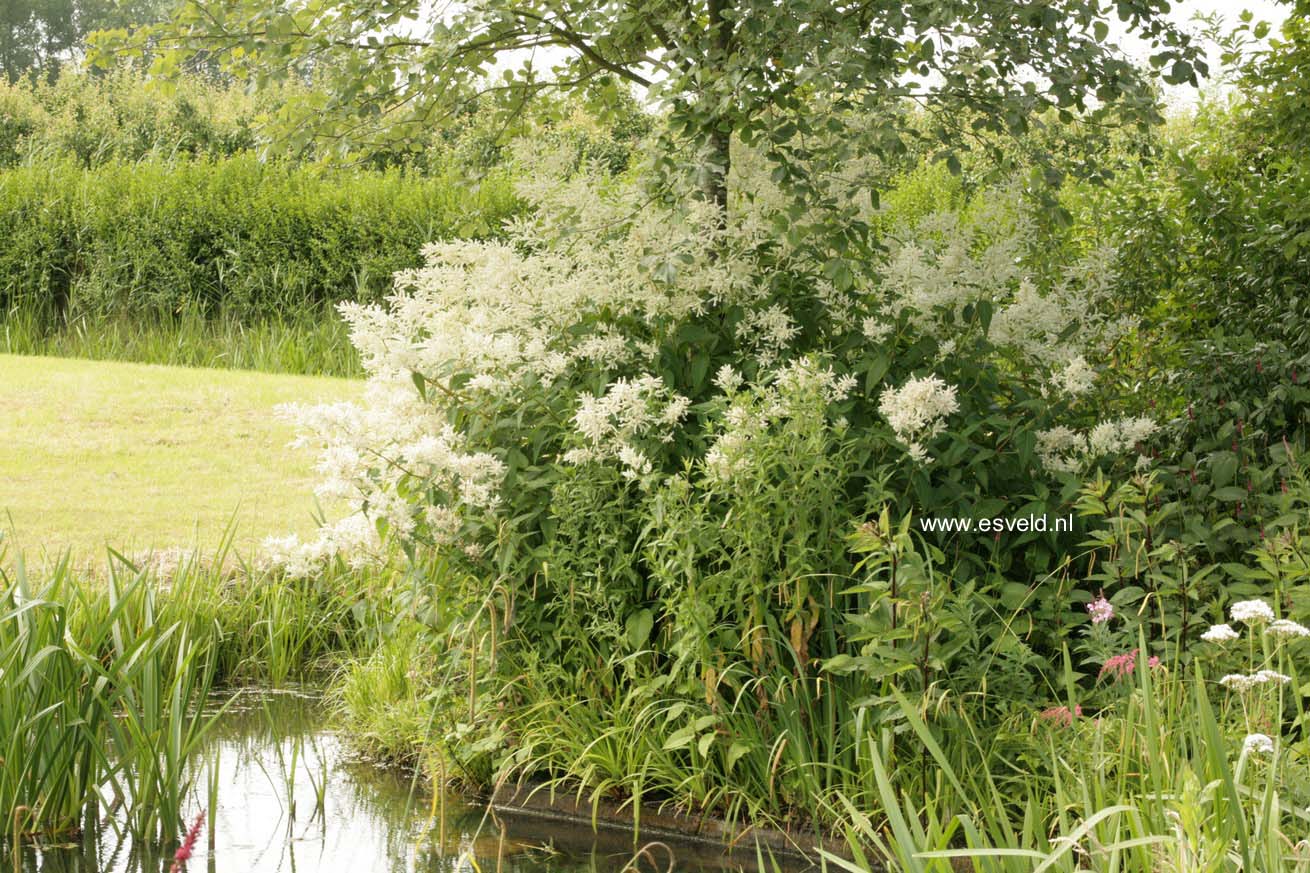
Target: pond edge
(543, 800)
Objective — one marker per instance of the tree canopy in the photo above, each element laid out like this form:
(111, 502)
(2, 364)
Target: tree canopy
(756, 69)
(40, 35)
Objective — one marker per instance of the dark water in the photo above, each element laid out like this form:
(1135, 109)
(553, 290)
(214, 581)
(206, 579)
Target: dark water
(291, 797)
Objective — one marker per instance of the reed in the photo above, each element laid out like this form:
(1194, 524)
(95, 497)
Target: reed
(1160, 785)
(104, 681)
(55, 706)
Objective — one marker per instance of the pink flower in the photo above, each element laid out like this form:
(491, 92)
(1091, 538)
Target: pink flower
(188, 846)
(1101, 610)
(1119, 666)
(1061, 716)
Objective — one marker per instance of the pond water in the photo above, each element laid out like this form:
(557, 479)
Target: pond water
(292, 798)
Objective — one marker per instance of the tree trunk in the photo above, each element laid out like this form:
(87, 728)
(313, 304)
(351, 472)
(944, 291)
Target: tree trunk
(716, 175)
(719, 141)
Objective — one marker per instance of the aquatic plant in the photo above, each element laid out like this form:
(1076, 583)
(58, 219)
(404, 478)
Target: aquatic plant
(104, 681)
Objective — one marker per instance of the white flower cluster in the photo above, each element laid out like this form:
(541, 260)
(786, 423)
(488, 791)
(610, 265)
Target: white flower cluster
(769, 331)
(948, 263)
(1257, 744)
(366, 452)
(802, 388)
(917, 412)
(1243, 682)
(1071, 317)
(589, 256)
(1251, 611)
(1287, 629)
(1219, 633)
(1066, 450)
(354, 539)
(1256, 612)
(610, 425)
(1055, 327)
(876, 330)
(1075, 377)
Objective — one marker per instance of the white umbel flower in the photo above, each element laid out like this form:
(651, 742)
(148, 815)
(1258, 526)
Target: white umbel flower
(1245, 682)
(1251, 611)
(1257, 744)
(1287, 629)
(1219, 633)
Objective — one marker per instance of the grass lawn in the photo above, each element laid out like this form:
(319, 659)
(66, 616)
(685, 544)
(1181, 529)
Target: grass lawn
(140, 456)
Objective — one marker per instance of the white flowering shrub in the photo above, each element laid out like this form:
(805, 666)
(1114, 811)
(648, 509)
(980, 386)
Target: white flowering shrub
(648, 429)
(639, 436)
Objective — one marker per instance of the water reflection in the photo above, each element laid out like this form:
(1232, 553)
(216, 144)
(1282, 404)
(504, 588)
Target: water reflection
(292, 799)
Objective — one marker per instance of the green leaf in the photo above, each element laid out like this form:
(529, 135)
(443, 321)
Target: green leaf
(638, 627)
(680, 739)
(735, 751)
(1223, 467)
(1230, 494)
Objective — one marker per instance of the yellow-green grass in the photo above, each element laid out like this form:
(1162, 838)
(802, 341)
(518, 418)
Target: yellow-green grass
(143, 457)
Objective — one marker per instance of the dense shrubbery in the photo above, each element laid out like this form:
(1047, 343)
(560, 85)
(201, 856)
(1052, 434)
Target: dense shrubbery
(122, 117)
(1212, 239)
(229, 234)
(668, 458)
(686, 457)
(150, 203)
(676, 462)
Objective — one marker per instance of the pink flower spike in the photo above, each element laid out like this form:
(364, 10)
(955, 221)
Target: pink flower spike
(1061, 716)
(1119, 666)
(188, 847)
(1101, 610)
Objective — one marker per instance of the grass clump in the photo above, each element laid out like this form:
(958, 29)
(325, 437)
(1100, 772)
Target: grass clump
(99, 705)
(307, 343)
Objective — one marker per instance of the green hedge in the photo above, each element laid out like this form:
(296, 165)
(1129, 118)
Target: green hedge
(234, 234)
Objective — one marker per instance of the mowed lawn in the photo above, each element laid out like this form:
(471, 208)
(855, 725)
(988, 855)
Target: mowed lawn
(140, 457)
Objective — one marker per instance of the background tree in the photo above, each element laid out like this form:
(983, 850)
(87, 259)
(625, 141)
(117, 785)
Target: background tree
(783, 76)
(40, 35)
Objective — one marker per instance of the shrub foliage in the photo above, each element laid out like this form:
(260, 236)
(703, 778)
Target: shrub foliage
(227, 234)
